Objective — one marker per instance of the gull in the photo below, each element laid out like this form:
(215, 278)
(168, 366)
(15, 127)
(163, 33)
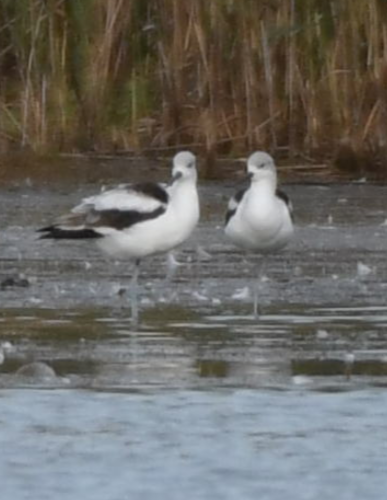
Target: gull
(259, 218)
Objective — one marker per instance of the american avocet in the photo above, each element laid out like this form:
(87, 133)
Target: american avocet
(259, 218)
(134, 221)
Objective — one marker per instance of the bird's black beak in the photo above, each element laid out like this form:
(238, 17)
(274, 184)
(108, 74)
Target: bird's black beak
(249, 176)
(175, 177)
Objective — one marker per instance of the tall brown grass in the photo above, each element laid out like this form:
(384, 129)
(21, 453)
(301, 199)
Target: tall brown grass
(293, 77)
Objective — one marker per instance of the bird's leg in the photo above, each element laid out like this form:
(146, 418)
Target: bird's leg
(172, 265)
(256, 310)
(134, 292)
(259, 273)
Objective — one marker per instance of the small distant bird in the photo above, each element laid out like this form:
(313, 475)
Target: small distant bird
(134, 221)
(259, 218)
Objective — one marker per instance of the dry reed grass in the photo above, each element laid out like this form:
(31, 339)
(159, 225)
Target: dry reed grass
(296, 78)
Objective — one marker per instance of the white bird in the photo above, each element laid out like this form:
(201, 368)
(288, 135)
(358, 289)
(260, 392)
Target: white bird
(259, 218)
(134, 221)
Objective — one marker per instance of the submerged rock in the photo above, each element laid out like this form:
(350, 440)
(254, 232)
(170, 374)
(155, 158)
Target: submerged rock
(36, 370)
(17, 280)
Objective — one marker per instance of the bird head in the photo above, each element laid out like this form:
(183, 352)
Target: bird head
(184, 167)
(260, 166)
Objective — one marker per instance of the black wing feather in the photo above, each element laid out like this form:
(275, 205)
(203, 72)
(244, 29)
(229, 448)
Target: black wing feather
(238, 198)
(56, 233)
(152, 190)
(124, 219)
(285, 198)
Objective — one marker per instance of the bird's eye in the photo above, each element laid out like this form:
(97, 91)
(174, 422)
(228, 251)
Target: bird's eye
(190, 164)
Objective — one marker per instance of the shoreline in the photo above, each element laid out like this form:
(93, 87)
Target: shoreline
(74, 168)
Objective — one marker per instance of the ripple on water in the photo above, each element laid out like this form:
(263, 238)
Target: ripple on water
(203, 351)
(220, 443)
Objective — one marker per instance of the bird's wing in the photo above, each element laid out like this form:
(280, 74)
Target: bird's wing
(285, 198)
(143, 197)
(233, 203)
(118, 208)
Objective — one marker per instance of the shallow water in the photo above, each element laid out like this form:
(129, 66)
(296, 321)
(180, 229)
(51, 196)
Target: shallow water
(200, 399)
(228, 444)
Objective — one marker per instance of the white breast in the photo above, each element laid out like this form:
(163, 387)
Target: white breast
(158, 235)
(262, 223)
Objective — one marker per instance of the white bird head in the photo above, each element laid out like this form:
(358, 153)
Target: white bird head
(184, 167)
(260, 165)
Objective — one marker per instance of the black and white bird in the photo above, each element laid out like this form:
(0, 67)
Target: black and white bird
(134, 221)
(259, 218)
